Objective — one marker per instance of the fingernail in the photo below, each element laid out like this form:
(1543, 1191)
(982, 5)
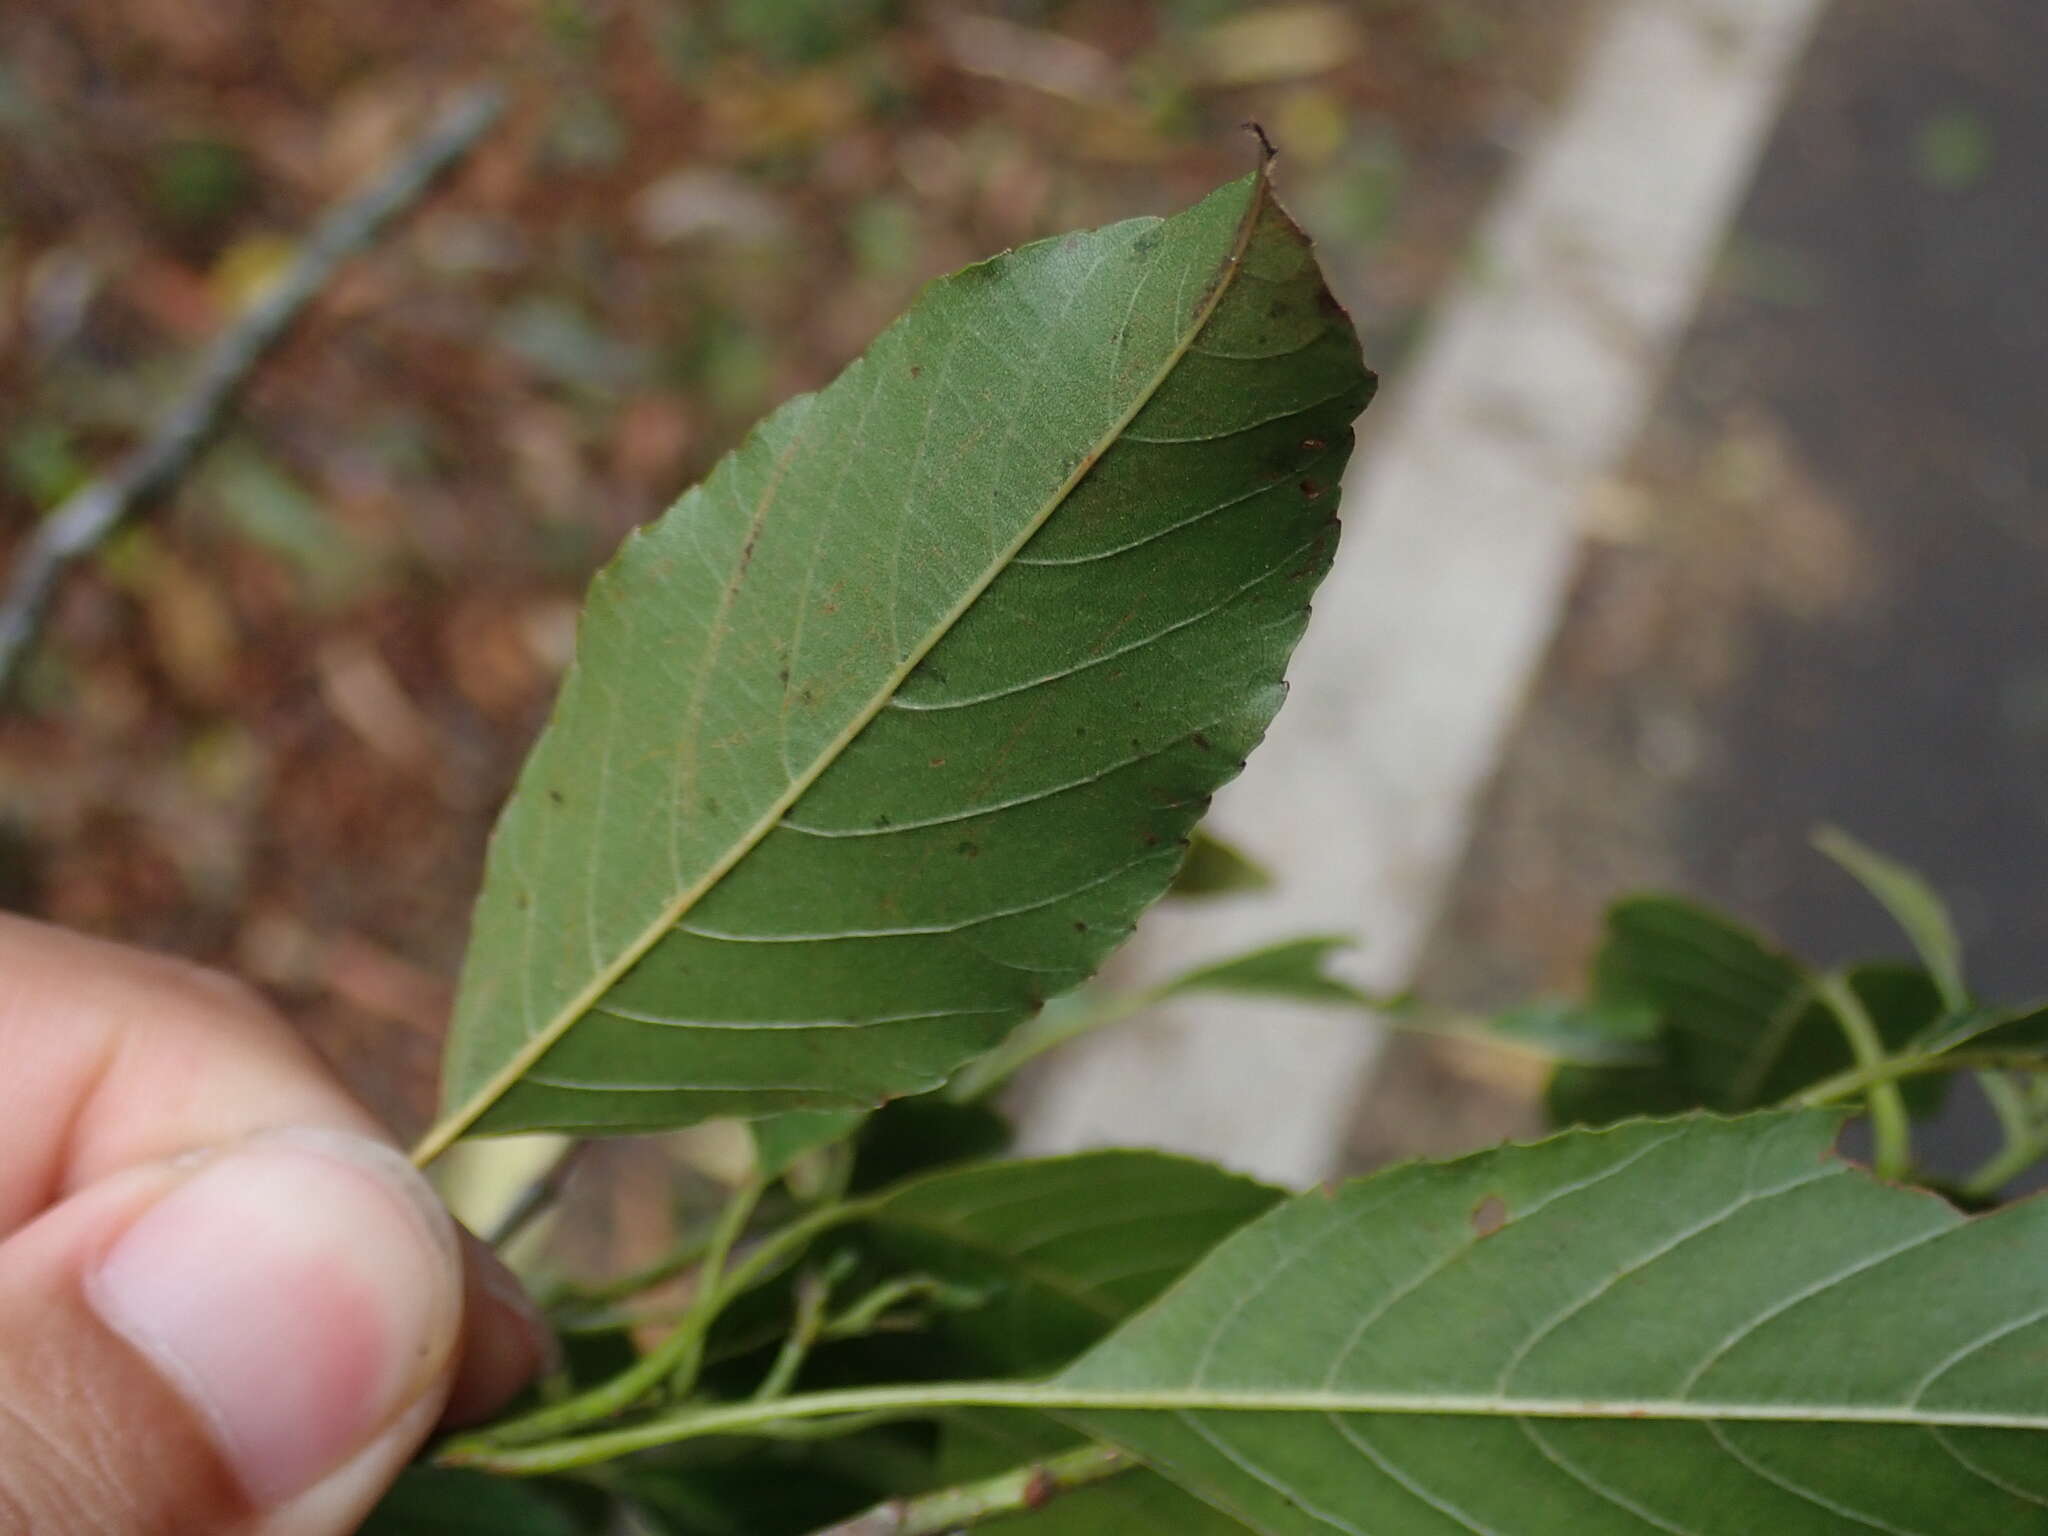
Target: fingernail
(299, 1291)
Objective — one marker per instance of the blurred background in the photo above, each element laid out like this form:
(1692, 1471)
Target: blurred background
(268, 723)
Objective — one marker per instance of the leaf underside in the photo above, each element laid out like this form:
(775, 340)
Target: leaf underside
(1066, 1247)
(890, 728)
(1698, 1326)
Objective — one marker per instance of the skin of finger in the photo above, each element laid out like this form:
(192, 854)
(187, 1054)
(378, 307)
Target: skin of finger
(505, 1341)
(116, 1058)
(94, 1471)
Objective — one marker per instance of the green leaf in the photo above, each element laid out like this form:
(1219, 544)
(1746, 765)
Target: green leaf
(906, 1137)
(779, 1140)
(1704, 1326)
(1292, 969)
(1993, 1029)
(758, 1489)
(980, 1226)
(1913, 905)
(1065, 1247)
(1739, 1024)
(1215, 868)
(445, 1501)
(1585, 1033)
(888, 731)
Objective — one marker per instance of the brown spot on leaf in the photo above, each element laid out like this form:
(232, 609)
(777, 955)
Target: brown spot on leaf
(1489, 1215)
(1039, 1488)
(1313, 445)
(1312, 489)
(969, 850)
(917, 370)
(937, 762)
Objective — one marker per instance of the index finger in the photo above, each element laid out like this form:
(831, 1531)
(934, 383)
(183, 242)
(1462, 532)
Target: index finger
(111, 1057)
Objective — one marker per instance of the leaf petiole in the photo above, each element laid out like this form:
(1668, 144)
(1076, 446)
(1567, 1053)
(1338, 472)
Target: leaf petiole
(1891, 1131)
(674, 1361)
(1847, 1084)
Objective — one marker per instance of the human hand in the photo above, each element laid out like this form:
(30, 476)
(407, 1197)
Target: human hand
(227, 1304)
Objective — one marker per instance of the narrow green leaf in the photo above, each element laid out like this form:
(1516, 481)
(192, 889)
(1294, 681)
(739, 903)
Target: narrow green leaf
(1913, 905)
(1215, 868)
(1703, 1326)
(441, 1501)
(1585, 1033)
(889, 729)
(779, 1140)
(1292, 969)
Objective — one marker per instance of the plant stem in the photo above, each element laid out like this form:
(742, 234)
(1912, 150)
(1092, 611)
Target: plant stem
(1891, 1132)
(1844, 1085)
(2026, 1137)
(2010, 1104)
(868, 1314)
(537, 1196)
(625, 1287)
(490, 1452)
(2002, 1167)
(674, 1360)
(1018, 1491)
(813, 1295)
(1063, 1020)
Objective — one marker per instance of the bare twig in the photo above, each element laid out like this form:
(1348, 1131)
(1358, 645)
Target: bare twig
(89, 514)
(1016, 1492)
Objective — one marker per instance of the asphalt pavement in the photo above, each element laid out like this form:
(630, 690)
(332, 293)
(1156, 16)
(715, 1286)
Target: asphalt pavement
(1819, 591)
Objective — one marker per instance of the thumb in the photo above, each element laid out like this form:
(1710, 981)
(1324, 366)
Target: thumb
(252, 1339)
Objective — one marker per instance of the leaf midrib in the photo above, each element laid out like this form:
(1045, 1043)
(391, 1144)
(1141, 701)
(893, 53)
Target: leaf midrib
(452, 1125)
(1059, 1399)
